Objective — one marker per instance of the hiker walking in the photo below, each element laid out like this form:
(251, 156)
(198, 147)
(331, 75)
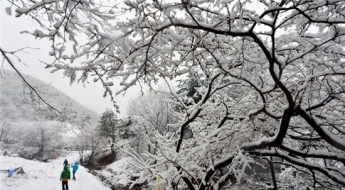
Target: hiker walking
(64, 177)
(74, 169)
(65, 163)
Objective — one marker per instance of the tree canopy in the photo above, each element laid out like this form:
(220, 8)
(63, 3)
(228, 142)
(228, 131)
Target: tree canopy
(272, 74)
(107, 125)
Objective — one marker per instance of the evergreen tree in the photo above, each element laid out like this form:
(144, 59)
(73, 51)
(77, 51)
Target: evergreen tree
(107, 125)
(123, 130)
(113, 128)
(190, 87)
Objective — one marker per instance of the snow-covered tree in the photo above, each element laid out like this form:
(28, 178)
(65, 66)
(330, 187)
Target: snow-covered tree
(38, 139)
(151, 114)
(153, 111)
(188, 87)
(88, 140)
(4, 132)
(273, 74)
(107, 125)
(115, 129)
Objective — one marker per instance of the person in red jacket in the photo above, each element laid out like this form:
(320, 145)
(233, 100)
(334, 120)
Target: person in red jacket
(64, 177)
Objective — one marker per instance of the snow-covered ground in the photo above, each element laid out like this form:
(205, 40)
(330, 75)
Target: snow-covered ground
(42, 176)
(119, 172)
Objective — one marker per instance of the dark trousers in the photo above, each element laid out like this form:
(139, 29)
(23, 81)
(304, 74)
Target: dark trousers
(74, 175)
(65, 185)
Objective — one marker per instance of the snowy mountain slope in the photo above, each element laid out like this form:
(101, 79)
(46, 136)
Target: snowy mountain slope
(40, 175)
(16, 103)
(24, 123)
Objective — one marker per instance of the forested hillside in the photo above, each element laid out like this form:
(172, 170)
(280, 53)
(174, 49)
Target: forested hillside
(27, 121)
(16, 102)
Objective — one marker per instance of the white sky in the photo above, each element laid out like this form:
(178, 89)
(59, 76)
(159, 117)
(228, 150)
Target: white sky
(91, 96)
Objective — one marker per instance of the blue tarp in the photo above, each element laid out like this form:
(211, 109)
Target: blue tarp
(10, 172)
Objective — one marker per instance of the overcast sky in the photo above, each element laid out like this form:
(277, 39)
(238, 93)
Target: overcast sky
(90, 96)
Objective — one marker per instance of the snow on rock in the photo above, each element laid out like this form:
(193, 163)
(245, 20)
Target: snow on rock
(119, 172)
(40, 175)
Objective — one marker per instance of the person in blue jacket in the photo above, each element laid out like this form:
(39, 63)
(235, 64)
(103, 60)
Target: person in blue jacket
(74, 169)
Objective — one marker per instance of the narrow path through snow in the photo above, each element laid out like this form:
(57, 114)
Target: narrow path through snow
(45, 176)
